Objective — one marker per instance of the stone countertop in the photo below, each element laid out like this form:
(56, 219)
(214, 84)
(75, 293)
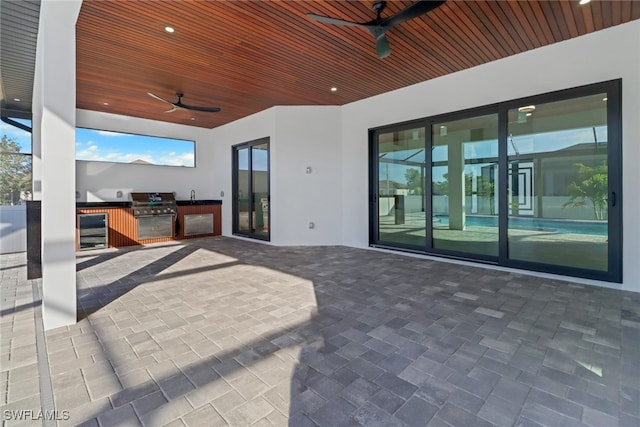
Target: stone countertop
(198, 202)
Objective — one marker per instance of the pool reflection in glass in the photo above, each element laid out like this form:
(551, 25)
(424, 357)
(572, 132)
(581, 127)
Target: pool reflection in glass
(558, 174)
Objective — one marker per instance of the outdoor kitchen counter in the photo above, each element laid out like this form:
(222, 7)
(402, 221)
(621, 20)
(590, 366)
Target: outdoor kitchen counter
(123, 226)
(195, 218)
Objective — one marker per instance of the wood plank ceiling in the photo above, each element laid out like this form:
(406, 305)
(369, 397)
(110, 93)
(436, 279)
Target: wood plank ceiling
(246, 56)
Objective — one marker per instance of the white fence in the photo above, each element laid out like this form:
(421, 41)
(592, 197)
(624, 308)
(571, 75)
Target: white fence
(13, 229)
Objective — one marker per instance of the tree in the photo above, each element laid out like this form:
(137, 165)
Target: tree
(414, 181)
(591, 185)
(15, 172)
(487, 189)
(441, 188)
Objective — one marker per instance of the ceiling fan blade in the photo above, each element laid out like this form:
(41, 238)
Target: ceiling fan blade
(416, 9)
(205, 109)
(382, 46)
(335, 21)
(158, 98)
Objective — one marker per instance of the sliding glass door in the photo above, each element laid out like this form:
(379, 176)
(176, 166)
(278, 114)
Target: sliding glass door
(464, 164)
(251, 194)
(558, 189)
(400, 165)
(532, 183)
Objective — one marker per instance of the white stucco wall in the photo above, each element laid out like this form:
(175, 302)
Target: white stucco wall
(307, 137)
(100, 181)
(299, 137)
(605, 55)
(222, 138)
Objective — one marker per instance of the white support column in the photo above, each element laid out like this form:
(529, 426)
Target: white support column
(456, 186)
(54, 175)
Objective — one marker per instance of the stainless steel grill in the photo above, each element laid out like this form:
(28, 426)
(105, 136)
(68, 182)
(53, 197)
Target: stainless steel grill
(148, 204)
(154, 213)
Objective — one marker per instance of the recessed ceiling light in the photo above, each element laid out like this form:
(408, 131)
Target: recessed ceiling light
(17, 99)
(527, 109)
(334, 89)
(605, 98)
(193, 118)
(105, 103)
(584, 2)
(169, 29)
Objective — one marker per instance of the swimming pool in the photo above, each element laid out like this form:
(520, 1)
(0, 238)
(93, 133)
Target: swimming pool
(563, 226)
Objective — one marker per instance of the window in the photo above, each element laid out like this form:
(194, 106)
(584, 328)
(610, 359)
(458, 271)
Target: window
(532, 183)
(118, 147)
(15, 161)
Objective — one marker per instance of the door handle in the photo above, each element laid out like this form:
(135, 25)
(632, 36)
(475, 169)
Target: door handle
(613, 198)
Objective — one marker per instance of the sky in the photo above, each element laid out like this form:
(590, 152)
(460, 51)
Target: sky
(97, 145)
(525, 144)
(23, 138)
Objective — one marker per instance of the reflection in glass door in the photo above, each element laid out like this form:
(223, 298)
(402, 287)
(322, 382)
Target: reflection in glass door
(260, 189)
(558, 183)
(400, 187)
(464, 166)
(242, 190)
(251, 200)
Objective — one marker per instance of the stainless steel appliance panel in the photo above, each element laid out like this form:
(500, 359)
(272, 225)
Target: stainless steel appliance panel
(198, 224)
(155, 227)
(93, 231)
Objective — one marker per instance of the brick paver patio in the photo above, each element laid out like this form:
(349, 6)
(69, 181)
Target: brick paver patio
(221, 331)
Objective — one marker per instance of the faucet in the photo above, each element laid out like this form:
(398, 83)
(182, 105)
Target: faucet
(193, 196)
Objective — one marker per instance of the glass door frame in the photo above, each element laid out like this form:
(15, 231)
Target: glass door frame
(613, 90)
(374, 191)
(235, 149)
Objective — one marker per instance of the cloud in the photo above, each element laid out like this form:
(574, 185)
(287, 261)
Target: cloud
(93, 152)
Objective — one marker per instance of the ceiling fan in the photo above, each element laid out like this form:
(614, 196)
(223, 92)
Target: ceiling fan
(180, 106)
(379, 26)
